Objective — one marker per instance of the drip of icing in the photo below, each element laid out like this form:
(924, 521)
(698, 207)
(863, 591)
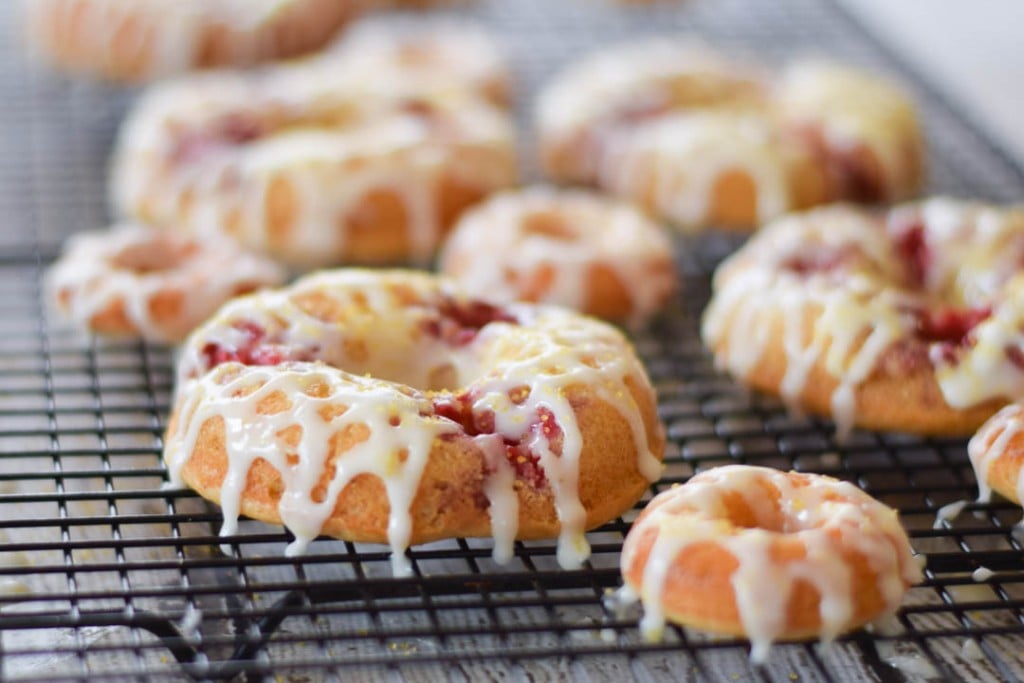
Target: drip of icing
(598, 232)
(92, 278)
(972, 650)
(982, 574)
(987, 446)
(947, 513)
(697, 513)
(547, 353)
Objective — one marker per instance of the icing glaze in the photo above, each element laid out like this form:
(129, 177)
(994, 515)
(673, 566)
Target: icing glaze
(134, 268)
(407, 362)
(848, 285)
(991, 444)
(822, 514)
(514, 239)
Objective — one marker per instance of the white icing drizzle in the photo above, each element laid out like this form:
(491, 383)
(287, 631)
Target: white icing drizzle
(982, 574)
(684, 155)
(381, 342)
(990, 444)
(493, 250)
(854, 108)
(697, 513)
(328, 135)
(173, 30)
(131, 265)
(948, 513)
(972, 650)
(860, 313)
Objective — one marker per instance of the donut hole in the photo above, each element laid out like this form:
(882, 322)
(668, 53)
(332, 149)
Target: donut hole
(740, 514)
(551, 224)
(156, 255)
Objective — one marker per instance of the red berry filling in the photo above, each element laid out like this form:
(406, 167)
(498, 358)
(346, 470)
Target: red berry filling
(229, 131)
(912, 247)
(459, 322)
(950, 329)
(524, 461)
(256, 348)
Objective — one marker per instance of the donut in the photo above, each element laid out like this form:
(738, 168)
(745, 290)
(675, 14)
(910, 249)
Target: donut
(387, 407)
(702, 139)
(566, 247)
(143, 40)
(997, 454)
(431, 54)
(132, 281)
(906, 320)
(768, 555)
(314, 167)
(864, 128)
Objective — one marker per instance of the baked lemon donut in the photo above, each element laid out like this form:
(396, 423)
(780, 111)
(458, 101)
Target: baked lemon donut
(704, 140)
(137, 282)
(385, 406)
(997, 454)
(567, 247)
(141, 40)
(908, 320)
(769, 555)
(310, 165)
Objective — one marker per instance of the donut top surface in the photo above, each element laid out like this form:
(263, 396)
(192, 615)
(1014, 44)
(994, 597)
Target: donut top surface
(780, 529)
(544, 244)
(393, 348)
(933, 283)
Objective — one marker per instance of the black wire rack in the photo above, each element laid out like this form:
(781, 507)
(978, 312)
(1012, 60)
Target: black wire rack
(105, 574)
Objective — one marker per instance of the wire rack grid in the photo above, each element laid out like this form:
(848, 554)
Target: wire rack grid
(106, 574)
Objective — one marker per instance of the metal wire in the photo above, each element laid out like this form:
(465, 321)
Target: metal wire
(105, 574)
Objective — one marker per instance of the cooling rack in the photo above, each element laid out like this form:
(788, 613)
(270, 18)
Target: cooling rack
(105, 574)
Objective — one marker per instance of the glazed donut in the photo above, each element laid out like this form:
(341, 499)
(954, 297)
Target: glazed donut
(312, 167)
(908, 320)
(769, 555)
(703, 140)
(435, 55)
(137, 282)
(997, 454)
(455, 417)
(865, 129)
(567, 247)
(147, 39)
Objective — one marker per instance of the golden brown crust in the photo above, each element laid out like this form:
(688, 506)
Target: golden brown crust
(901, 394)
(1002, 469)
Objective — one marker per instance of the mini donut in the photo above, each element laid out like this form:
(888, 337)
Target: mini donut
(997, 454)
(455, 417)
(567, 247)
(704, 140)
(864, 127)
(132, 281)
(768, 555)
(908, 320)
(141, 40)
(310, 166)
(436, 55)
